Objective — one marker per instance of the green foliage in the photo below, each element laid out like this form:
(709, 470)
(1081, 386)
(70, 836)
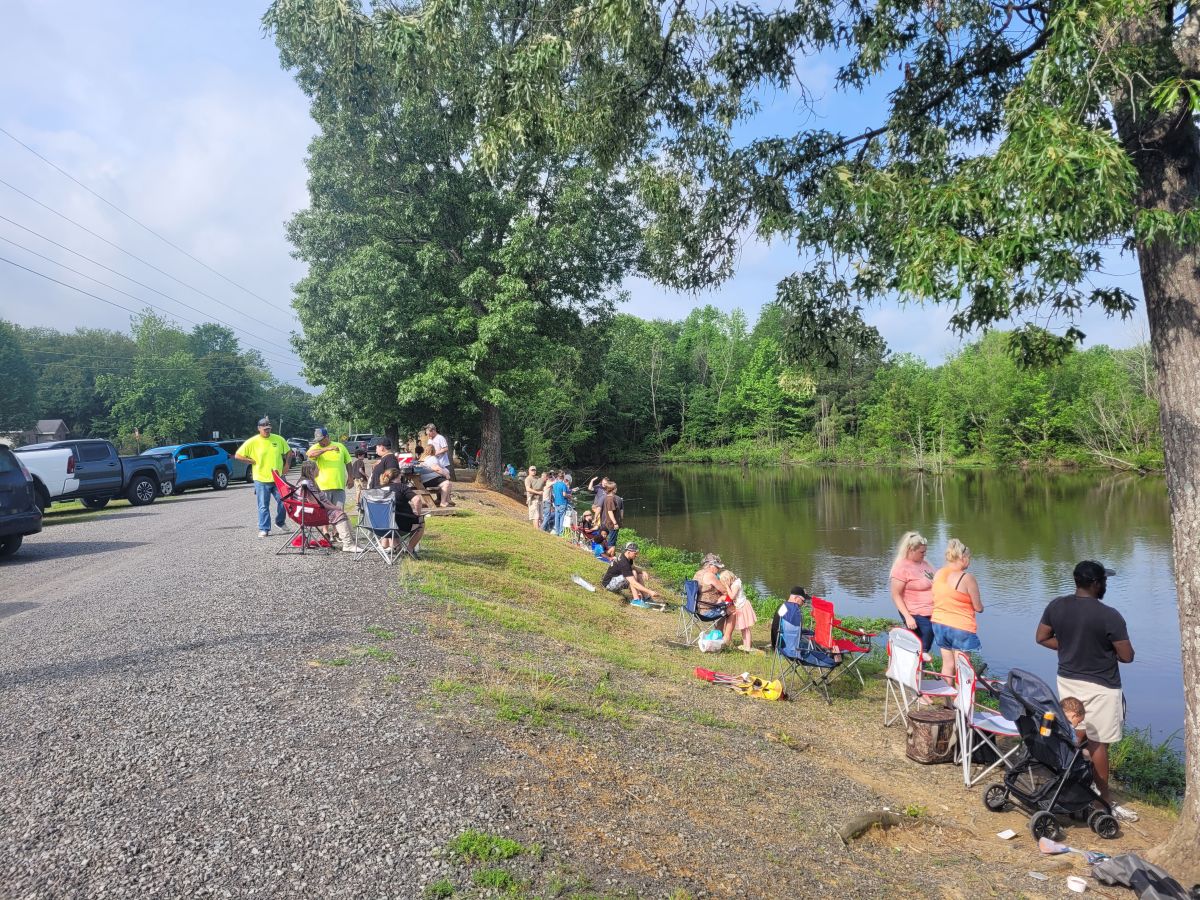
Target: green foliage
(1152, 768)
(18, 401)
(483, 847)
(442, 889)
(169, 384)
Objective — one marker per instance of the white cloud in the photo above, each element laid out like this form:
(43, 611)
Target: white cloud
(183, 119)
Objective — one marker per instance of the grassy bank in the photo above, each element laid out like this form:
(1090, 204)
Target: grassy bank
(492, 573)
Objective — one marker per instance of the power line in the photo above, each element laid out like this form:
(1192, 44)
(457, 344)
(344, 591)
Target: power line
(148, 287)
(115, 246)
(142, 224)
(151, 305)
(102, 299)
(209, 359)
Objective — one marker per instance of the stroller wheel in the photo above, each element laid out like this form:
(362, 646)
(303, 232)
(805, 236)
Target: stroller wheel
(1044, 825)
(995, 797)
(1105, 825)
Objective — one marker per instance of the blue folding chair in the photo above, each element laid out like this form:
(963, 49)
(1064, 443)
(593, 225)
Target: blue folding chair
(376, 522)
(692, 621)
(797, 654)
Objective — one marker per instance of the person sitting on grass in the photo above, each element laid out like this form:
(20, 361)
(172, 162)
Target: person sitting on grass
(408, 511)
(624, 574)
(310, 493)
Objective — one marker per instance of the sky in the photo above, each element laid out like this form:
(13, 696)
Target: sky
(179, 115)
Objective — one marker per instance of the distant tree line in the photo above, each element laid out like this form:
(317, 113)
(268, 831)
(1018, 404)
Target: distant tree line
(713, 388)
(158, 384)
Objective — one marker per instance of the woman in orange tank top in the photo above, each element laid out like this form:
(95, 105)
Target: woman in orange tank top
(955, 604)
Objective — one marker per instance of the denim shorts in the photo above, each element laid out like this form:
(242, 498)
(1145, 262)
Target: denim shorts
(947, 638)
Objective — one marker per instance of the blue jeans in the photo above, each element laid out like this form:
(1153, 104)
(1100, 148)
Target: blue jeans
(947, 638)
(924, 631)
(559, 513)
(263, 492)
(547, 515)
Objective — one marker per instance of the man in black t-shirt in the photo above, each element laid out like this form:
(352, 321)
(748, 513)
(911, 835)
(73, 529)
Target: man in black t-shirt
(623, 573)
(1091, 639)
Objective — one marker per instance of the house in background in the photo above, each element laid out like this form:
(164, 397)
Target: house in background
(46, 430)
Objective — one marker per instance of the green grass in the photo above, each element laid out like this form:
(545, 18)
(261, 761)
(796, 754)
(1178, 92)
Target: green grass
(441, 889)
(75, 511)
(479, 846)
(380, 633)
(499, 879)
(1152, 769)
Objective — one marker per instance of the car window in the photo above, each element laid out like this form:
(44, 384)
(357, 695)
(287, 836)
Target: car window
(8, 462)
(93, 452)
(202, 450)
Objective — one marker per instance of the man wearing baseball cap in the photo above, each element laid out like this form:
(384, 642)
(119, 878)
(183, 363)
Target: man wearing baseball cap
(267, 453)
(623, 573)
(333, 462)
(1091, 639)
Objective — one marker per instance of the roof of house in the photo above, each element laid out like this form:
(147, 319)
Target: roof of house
(49, 426)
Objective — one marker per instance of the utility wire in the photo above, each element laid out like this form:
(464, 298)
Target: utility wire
(142, 224)
(209, 359)
(151, 305)
(102, 299)
(148, 287)
(101, 237)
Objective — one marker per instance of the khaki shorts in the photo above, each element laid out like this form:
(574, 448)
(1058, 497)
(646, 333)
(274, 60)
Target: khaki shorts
(1103, 708)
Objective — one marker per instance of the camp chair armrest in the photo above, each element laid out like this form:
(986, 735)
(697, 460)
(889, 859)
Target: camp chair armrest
(840, 627)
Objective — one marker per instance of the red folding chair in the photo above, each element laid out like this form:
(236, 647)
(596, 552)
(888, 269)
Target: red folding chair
(310, 517)
(852, 651)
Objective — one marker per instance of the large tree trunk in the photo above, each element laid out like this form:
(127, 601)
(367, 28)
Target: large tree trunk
(489, 462)
(1170, 176)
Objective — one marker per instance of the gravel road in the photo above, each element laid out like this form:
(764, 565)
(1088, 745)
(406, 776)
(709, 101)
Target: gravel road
(164, 734)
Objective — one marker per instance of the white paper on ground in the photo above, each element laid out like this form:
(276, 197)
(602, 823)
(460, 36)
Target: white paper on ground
(1007, 835)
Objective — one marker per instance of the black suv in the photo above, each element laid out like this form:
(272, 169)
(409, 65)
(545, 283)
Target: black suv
(20, 513)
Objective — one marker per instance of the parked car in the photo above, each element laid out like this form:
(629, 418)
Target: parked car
(203, 464)
(94, 472)
(362, 442)
(238, 470)
(20, 511)
(299, 445)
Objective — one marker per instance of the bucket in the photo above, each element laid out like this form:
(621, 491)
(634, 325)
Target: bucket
(930, 736)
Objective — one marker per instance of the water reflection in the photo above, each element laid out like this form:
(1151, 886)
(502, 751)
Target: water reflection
(834, 530)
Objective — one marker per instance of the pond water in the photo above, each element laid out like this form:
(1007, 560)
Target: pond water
(835, 530)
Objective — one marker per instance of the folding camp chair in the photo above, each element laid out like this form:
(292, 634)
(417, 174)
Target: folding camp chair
(310, 517)
(376, 523)
(904, 683)
(797, 655)
(978, 728)
(692, 621)
(852, 652)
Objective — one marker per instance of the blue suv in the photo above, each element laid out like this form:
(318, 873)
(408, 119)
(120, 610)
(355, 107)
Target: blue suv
(202, 464)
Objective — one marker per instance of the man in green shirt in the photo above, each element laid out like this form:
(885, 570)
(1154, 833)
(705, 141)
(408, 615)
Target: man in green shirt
(266, 453)
(332, 459)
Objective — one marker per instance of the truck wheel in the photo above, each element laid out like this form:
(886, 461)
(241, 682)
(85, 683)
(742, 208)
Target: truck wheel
(142, 491)
(220, 480)
(42, 497)
(249, 479)
(95, 502)
(167, 488)
(10, 545)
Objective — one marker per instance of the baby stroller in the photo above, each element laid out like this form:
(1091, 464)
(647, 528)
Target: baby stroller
(1052, 778)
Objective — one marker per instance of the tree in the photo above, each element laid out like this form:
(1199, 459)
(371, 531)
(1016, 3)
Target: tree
(434, 282)
(18, 402)
(160, 397)
(234, 381)
(1019, 140)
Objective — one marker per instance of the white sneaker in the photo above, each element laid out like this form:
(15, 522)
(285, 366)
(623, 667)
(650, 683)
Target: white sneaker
(1124, 814)
(263, 533)
(348, 549)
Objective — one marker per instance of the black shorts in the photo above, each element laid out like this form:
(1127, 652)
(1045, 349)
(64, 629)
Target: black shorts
(407, 524)
(433, 483)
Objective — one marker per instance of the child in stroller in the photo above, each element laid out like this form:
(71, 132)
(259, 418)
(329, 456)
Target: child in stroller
(1053, 776)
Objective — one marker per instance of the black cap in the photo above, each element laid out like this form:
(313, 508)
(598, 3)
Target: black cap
(1089, 572)
(383, 442)
(799, 591)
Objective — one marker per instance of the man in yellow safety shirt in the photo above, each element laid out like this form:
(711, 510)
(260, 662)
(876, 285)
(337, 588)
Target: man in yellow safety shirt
(266, 453)
(332, 459)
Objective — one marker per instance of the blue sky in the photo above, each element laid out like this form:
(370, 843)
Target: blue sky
(180, 115)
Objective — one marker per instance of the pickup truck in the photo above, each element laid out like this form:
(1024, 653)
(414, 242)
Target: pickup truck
(92, 472)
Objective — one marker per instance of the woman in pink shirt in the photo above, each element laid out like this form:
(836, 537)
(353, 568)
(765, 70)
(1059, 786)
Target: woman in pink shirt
(911, 582)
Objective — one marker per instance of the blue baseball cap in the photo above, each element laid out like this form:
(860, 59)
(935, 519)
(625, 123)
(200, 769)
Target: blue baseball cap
(322, 432)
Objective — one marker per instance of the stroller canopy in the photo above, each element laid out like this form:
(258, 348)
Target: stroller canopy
(1027, 695)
